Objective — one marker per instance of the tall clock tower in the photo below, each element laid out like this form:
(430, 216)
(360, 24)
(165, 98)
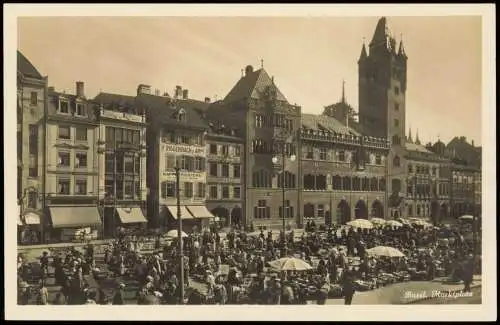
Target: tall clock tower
(382, 110)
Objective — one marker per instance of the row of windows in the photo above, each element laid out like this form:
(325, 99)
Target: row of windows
(64, 186)
(128, 189)
(346, 183)
(128, 164)
(276, 120)
(276, 147)
(224, 150)
(224, 170)
(168, 190)
(422, 169)
(193, 140)
(184, 162)
(214, 193)
(33, 150)
(263, 179)
(64, 132)
(64, 108)
(64, 159)
(340, 155)
(116, 136)
(262, 211)
(422, 210)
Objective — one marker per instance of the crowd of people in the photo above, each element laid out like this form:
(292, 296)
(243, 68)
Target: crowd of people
(236, 269)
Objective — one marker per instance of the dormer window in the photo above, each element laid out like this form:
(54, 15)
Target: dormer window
(181, 115)
(80, 109)
(63, 107)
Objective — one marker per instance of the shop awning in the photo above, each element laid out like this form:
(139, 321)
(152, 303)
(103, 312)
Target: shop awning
(74, 217)
(185, 215)
(200, 212)
(131, 215)
(31, 218)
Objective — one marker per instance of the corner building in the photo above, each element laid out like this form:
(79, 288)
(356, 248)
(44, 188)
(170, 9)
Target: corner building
(270, 127)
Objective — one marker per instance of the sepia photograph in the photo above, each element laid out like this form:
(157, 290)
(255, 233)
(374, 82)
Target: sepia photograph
(235, 158)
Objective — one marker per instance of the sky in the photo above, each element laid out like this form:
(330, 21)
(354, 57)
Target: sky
(308, 57)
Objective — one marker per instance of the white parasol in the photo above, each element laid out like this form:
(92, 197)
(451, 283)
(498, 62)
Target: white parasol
(421, 222)
(360, 223)
(173, 234)
(385, 251)
(377, 221)
(290, 264)
(466, 217)
(394, 223)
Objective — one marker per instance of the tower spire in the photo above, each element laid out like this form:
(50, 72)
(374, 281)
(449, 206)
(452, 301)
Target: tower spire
(410, 140)
(363, 54)
(262, 63)
(343, 91)
(401, 51)
(417, 140)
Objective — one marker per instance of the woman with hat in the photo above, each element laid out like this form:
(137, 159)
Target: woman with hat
(23, 295)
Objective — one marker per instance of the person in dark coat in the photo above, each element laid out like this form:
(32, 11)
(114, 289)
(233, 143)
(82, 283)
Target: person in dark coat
(468, 273)
(119, 297)
(348, 286)
(59, 299)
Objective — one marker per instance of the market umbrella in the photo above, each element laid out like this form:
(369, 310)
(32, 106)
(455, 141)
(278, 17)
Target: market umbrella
(394, 223)
(290, 264)
(360, 223)
(385, 251)
(421, 222)
(173, 234)
(377, 221)
(466, 217)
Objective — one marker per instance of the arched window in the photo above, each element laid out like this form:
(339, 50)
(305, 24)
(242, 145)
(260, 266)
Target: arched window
(261, 179)
(356, 184)
(365, 184)
(396, 161)
(309, 182)
(381, 184)
(409, 187)
(289, 180)
(181, 115)
(308, 210)
(346, 183)
(396, 139)
(396, 185)
(320, 182)
(374, 184)
(337, 182)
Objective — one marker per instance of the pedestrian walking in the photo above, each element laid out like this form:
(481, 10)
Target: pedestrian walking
(348, 286)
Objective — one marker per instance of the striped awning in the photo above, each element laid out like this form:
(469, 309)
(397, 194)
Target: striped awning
(200, 212)
(185, 215)
(131, 215)
(74, 217)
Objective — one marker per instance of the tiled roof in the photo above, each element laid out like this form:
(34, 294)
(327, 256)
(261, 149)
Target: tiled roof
(115, 101)
(416, 147)
(322, 122)
(163, 110)
(252, 85)
(26, 67)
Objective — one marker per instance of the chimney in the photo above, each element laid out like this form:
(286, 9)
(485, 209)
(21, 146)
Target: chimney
(178, 91)
(80, 89)
(472, 142)
(248, 70)
(144, 89)
(207, 99)
(185, 94)
(51, 89)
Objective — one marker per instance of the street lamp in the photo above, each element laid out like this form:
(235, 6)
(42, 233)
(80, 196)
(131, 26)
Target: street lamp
(179, 233)
(275, 160)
